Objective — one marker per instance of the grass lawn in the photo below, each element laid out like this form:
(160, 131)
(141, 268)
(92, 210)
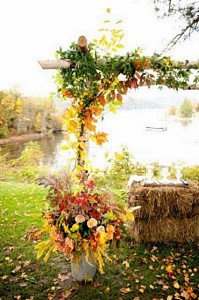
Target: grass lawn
(137, 272)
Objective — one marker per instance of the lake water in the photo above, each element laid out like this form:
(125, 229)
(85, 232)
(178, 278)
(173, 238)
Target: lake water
(179, 143)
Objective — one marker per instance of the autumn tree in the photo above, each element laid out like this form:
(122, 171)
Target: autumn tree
(27, 114)
(10, 106)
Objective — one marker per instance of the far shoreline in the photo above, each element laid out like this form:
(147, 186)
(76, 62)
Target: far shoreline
(23, 137)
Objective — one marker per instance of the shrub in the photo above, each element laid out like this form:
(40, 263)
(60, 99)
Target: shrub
(191, 173)
(3, 133)
(25, 168)
(186, 109)
(118, 172)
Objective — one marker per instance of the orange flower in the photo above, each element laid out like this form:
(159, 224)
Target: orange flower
(92, 223)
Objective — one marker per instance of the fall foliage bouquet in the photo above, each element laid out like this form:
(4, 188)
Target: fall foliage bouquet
(82, 219)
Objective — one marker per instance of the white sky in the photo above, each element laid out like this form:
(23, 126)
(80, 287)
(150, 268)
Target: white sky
(34, 29)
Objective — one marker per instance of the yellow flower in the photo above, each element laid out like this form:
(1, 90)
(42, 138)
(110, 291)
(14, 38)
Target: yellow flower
(110, 230)
(75, 227)
(92, 223)
(103, 238)
(79, 219)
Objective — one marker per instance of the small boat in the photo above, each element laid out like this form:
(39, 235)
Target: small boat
(156, 128)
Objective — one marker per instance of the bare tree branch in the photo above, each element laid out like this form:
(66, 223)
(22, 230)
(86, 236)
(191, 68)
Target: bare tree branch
(187, 11)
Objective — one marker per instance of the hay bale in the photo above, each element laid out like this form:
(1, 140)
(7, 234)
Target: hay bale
(162, 202)
(167, 214)
(165, 230)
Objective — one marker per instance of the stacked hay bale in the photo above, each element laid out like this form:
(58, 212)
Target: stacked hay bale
(167, 213)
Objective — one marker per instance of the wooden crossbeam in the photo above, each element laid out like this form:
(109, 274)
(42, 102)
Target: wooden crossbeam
(55, 64)
(66, 63)
(83, 46)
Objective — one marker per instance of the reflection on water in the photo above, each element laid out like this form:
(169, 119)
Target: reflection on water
(179, 143)
(50, 146)
(185, 122)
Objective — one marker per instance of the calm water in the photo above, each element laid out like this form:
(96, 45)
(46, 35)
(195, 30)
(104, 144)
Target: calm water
(179, 143)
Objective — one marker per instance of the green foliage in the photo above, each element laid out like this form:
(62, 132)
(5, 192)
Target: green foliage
(191, 173)
(186, 109)
(117, 174)
(3, 132)
(31, 155)
(25, 168)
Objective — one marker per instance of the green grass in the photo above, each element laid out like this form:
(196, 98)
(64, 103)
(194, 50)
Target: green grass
(21, 275)
(139, 270)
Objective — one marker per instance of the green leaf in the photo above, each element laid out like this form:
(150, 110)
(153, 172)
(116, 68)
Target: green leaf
(108, 10)
(119, 21)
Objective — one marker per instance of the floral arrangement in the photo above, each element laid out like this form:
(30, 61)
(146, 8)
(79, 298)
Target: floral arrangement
(81, 219)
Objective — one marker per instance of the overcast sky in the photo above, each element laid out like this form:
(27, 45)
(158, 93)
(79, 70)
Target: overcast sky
(34, 29)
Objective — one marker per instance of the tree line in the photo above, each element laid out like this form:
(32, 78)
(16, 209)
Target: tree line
(21, 115)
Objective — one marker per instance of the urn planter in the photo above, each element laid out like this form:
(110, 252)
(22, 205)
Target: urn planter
(84, 268)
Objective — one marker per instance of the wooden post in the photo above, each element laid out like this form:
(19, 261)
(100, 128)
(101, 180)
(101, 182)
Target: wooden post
(82, 43)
